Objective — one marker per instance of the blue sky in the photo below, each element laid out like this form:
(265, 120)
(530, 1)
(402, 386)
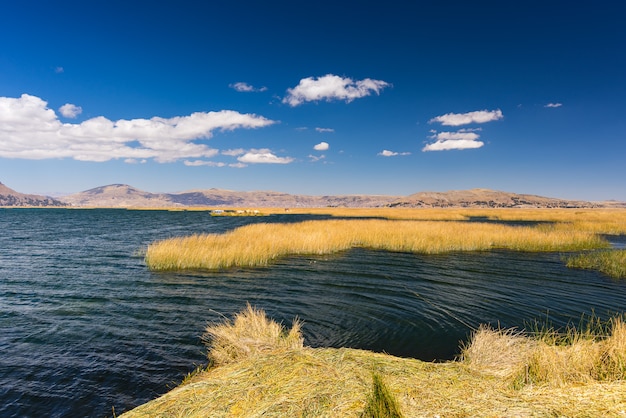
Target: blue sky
(320, 97)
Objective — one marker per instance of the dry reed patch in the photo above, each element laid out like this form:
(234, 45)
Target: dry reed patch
(593, 353)
(602, 399)
(259, 244)
(249, 334)
(500, 352)
(302, 382)
(607, 221)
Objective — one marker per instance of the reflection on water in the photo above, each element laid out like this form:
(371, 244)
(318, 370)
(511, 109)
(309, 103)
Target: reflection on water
(84, 327)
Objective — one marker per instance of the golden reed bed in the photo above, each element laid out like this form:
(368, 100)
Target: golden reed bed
(260, 244)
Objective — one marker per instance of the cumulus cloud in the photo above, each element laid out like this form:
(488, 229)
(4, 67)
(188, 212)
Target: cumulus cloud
(332, 87)
(263, 156)
(31, 130)
(554, 105)
(458, 119)
(324, 130)
(456, 136)
(245, 87)
(322, 146)
(387, 153)
(445, 141)
(70, 111)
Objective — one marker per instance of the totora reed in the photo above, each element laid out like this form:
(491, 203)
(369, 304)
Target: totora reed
(499, 373)
(260, 244)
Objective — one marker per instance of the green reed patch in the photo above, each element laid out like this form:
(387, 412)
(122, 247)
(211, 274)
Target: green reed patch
(381, 402)
(609, 262)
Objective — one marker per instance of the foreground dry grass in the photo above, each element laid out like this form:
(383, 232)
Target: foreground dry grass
(260, 244)
(275, 379)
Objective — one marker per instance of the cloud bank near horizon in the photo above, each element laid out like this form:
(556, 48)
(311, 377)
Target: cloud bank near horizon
(31, 130)
(332, 87)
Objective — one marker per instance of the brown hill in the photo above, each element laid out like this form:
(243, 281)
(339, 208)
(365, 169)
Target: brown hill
(121, 195)
(486, 198)
(9, 197)
(118, 196)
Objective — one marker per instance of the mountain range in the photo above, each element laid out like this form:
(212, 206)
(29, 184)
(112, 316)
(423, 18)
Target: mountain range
(9, 197)
(125, 196)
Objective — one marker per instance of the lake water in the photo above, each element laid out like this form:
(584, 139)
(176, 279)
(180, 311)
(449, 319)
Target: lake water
(85, 327)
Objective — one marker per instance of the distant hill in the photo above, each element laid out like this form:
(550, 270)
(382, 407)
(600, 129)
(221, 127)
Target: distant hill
(125, 196)
(486, 198)
(118, 196)
(9, 197)
(121, 195)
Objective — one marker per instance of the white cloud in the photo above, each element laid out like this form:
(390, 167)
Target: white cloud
(198, 163)
(331, 87)
(315, 158)
(238, 165)
(387, 153)
(70, 111)
(30, 130)
(324, 130)
(234, 152)
(554, 105)
(245, 87)
(59, 70)
(457, 119)
(322, 146)
(455, 136)
(445, 141)
(263, 156)
(134, 161)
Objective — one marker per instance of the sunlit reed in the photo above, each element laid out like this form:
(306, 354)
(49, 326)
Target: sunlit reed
(260, 244)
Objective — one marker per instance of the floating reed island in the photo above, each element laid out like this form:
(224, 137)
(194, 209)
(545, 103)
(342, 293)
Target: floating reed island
(416, 231)
(259, 368)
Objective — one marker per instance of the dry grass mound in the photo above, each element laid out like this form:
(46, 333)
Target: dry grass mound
(250, 333)
(593, 353)
(502, 353)
(286, 380)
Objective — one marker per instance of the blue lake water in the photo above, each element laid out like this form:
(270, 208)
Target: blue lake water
(85, 327)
